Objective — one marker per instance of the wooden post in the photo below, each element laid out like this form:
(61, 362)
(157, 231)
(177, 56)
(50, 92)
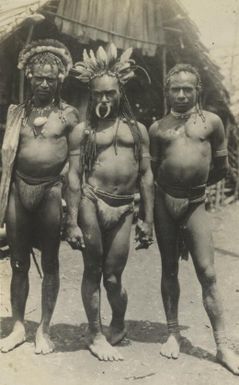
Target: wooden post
(33, 19)
(236, 190)
(164, 73)
(21, 80)
(162, 50)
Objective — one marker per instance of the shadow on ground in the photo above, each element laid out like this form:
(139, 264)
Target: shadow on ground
(71, 338)
(154, 332)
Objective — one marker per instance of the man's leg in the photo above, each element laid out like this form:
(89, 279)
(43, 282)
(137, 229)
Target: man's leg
(116, 250)
(48, 219)
(166, 234)
(18, 233)
(200, 244)
(90, 289)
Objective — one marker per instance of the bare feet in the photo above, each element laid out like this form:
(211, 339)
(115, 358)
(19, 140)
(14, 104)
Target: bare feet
(171, 347)
(229, 359)
(16, 338)
(43, 343)
(103, 350)
(116, 334)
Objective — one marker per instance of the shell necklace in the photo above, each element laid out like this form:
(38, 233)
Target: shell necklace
(40, 121)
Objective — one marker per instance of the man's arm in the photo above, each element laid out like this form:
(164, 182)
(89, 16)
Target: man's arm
(154, 148)
(219, 165)
(73, 191)
(145, 228)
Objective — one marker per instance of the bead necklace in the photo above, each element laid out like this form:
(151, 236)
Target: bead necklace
(183, 115)
(186, 115)
(40, 121)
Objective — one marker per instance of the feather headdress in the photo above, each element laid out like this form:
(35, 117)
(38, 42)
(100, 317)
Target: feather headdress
(51, 46)
(106, 62)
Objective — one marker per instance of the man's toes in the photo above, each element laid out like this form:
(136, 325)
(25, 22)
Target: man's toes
(120, 357)
(44, 349)
(175, 355)
(47, 351)
(234, 368)
(164, 352)
(104, 357)
(37, 351)
(5, 349)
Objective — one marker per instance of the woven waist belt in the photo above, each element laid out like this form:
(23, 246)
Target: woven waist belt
(111, 199)
(192, 193)
(37, 181)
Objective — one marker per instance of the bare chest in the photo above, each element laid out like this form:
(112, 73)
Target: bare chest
(118, 133)
(40, 128)
(192, 131)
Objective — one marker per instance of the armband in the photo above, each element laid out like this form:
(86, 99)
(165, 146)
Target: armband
(146, 155)
(75, 152)
(222, 152)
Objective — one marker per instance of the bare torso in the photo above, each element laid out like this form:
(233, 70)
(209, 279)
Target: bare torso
(45, 154)
(115, 169)
(183, 150)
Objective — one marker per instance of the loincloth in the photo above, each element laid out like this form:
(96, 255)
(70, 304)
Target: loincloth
(111, 208)
(32, 190)
(180, 203)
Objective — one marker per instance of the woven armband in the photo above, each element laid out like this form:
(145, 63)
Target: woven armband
(146, 155)
(75, 152)
(222, 152)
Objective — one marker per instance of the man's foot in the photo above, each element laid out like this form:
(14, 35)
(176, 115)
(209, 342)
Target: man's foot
(171, 347)
(16, 338)
(116, 334)
(103, 350)
(43, 343)
(229, 359)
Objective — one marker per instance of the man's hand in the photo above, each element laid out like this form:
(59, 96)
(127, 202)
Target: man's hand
(74, 236)
(143, 235)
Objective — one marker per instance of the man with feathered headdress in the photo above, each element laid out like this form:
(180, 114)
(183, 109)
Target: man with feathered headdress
(39, 136)
(113, 161)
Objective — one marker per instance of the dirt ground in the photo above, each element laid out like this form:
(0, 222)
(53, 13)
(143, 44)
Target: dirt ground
(72, 364)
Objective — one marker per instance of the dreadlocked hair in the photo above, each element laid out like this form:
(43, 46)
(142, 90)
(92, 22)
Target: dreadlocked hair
(184, 67)
(88, 147)
(127, 113)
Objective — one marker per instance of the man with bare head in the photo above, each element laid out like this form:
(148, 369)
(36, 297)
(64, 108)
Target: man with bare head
(113, 162)
(188, 151)
(39, 137)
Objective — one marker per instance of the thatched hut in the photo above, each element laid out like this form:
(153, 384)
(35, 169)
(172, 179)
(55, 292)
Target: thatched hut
(161, 33)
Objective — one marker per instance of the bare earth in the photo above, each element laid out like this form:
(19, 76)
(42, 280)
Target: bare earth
(72, 364)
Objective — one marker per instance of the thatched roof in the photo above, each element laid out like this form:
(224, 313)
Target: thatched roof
(148, 26)
(228, 59)
(14, 13)
(126, 22)
(161, 33)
